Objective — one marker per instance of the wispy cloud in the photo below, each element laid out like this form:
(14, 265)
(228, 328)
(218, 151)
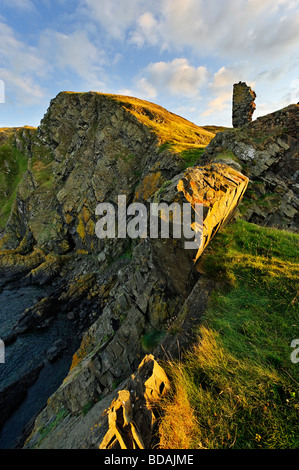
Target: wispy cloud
(24, 5)
(22, 67)
(74, 53)
(184, 53)
(177, 77)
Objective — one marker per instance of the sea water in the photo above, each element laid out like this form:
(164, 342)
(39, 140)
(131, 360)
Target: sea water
(27, 353)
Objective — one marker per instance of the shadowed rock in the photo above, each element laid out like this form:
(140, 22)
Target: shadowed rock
(243, 104)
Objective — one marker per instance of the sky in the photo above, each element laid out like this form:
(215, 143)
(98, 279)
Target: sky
(184, 55)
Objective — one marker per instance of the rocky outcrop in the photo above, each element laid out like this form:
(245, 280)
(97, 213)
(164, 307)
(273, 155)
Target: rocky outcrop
(130, 417)
(149, 291)
(34, 318)
(266, 151)
(243, 104)
(126, 419)
(219, 188)
(124, 294)
(130, 297)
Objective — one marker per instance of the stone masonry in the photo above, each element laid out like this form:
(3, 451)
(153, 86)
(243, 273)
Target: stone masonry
(243, 104)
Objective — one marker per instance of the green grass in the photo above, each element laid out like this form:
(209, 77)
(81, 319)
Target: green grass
(87, 407)
(191, 157)
(46, 430)
(237, 387)
(227, 155)
(176, 132)
(13, 164)
(151, 340)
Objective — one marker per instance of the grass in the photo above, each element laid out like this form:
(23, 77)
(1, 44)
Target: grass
(237, 386)
(13, 164)
(176, 132)
(151, 340)
(191, 157)
(170, 128)
(46, 430)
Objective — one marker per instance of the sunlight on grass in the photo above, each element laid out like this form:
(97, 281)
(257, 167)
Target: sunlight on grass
(238, 382)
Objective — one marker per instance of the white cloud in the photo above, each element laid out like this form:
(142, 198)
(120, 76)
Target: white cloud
(147, 30)
(116, 16)
(218, 105)
(26, 90)
(235, 28)
(23, 67)
(26, 67)
(17, 55)
(73, 52)
(177, 77)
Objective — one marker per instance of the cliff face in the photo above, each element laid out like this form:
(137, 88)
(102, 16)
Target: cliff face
(124, 294)
(265, 150)
(128, 297)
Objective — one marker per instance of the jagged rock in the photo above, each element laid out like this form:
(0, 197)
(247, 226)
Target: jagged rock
(90, 148)
(267, 151)
(126, 418)
(243, 104)
(131, 417)
(149, 291)
(219, 188)
(36, 317)
(55, 351)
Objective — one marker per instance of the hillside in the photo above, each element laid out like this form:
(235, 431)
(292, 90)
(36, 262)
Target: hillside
(135, 302)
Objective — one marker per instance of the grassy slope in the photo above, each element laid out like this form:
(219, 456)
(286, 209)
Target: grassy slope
(171, 128)
(13, 164)
(175, 131)
(238, 387)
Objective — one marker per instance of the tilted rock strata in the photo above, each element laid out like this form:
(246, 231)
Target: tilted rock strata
(219, 188)
(126, 419)
(131, 417)
(148, 296)
(267, 152)
(89, 149)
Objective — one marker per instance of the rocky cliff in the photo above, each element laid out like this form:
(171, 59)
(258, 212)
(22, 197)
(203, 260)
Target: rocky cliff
(128, 297)
(265, 150)
(91, 148)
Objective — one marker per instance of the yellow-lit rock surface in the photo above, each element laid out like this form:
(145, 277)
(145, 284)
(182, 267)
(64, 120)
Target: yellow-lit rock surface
(131, 415)
(219, 188)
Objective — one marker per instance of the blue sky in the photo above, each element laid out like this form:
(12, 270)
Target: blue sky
(182, 54)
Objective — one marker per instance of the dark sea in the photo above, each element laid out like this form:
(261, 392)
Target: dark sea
(28, 352)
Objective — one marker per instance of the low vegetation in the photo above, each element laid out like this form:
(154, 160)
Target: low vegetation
(170, 128)
(13, 164)
(237, 387)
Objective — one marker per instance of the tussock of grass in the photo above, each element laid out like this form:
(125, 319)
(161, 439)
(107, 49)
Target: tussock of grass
(238, 381)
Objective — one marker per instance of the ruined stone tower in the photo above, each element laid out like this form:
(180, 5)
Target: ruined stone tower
(243, 104)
